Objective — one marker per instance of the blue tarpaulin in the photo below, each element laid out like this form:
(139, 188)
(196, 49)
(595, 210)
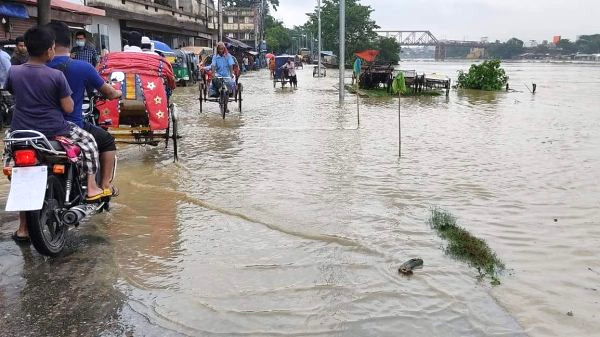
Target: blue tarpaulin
(13, 10)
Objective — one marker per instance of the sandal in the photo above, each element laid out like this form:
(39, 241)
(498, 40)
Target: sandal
(20, 239)
(112, 192)
(97, 196)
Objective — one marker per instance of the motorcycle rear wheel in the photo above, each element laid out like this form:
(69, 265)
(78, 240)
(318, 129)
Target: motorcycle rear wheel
(46, 233)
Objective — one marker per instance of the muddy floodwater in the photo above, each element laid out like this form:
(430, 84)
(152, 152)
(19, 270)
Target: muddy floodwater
(291, 219)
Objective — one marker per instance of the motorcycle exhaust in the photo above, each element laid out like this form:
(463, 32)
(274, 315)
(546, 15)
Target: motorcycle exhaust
(73, 216)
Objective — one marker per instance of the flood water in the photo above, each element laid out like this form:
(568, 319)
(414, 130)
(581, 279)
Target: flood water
(291, 219)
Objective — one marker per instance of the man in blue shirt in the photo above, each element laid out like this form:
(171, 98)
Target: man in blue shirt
(82, 75)
(222, 66)
(4, 67)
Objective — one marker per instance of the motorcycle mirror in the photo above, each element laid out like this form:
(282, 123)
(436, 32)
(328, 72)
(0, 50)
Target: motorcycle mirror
(117, 76)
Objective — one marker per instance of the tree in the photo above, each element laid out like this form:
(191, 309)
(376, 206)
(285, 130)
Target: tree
(389, 50)
(277, 36)
(588, 44)
(360, 28)
(507, 50)
(251, 3)
(567, 46)
(487, 76)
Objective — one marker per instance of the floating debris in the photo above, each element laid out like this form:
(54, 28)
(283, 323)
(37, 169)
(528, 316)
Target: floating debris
(408, 266)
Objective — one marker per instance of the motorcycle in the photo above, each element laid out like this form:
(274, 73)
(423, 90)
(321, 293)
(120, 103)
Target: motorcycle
(49, 187)
(6, 108)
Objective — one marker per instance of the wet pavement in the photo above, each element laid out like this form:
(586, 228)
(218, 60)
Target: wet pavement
(291, 219)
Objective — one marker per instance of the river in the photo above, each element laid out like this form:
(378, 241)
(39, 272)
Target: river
(291, 219)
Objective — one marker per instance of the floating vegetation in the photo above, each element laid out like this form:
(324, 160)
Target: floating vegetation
(465, 247)
(383, 92)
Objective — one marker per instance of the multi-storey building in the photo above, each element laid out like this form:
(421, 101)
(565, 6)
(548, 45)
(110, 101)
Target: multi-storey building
(178, 23)
(241, 23)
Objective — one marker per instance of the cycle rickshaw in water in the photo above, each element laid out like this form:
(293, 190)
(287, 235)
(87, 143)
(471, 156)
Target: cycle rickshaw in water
(144, 115)
(220, 87)
(281, 74)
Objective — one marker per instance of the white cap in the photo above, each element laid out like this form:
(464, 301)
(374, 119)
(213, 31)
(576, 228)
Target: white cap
(146, 40)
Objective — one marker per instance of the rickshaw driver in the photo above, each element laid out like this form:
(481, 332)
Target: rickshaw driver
(222, 65)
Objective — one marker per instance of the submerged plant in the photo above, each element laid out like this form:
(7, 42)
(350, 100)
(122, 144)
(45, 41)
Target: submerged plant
(463, 246)
(488, 76)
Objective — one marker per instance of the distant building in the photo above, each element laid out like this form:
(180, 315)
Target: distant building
(177, 23)
(533, 43)
(556, 39)
(241, 23)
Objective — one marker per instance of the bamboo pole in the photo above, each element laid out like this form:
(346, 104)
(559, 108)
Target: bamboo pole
(399, 126)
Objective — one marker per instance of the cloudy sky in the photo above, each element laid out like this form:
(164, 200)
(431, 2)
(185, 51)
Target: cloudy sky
(473, 19)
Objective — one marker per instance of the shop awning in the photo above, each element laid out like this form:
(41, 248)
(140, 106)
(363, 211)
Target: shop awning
(69, 7)
(13, 10)
(237, 43)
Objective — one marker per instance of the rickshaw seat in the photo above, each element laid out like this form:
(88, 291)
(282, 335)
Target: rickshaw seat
(133, 112)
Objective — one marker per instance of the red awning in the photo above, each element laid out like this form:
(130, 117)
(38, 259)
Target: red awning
(368, 55)
(69, 7)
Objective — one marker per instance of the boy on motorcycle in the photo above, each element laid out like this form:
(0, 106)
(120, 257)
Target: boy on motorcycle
(81, 75)
(42, 97)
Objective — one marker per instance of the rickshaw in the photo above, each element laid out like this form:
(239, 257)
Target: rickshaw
(185, 67)
(144, 114)
(280, 74)
(298, 62)
(223, 96)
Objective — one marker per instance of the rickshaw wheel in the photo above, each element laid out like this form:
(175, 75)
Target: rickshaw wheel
(223, 98)
(240, 89)
(200, 92)
(175, 135)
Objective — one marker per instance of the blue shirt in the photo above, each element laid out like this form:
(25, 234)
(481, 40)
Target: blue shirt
(223, 64)
(37, 91)
(80, 75)
(4, 67)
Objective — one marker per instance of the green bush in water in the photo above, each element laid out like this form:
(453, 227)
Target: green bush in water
(463, 246)
(487, 76)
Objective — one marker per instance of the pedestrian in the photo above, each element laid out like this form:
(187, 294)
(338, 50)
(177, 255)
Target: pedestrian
(290, 72)
(4, 67)
(20, 55)
(104, 51)
(272, 66)
(245, 63)
(82, 51)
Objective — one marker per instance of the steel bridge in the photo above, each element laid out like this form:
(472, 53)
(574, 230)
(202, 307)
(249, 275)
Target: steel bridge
(426, 38)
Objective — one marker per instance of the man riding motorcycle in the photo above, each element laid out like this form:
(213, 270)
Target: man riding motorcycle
(81, 75)
(42, 97)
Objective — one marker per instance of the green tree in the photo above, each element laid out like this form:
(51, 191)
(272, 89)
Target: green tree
(567, 46)
(389, 50)
(277, 36)
(506, 50)
(588, 44)
(251, 3)
(360, 28)
(487, 76)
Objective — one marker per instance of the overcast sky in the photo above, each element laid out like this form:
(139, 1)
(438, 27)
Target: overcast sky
(473, 19)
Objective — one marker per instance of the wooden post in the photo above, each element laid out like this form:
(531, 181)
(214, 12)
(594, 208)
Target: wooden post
(534, 87)
(399, 126)
(43, 8)
(357, 102)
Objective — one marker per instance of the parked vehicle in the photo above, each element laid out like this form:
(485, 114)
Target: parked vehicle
(185, 67)
(34, 163)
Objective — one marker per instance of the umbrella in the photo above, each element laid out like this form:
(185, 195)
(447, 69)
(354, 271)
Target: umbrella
(368, 55)
(269, 56)
(162, 47)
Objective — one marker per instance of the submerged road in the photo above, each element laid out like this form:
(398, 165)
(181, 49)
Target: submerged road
(290, 219)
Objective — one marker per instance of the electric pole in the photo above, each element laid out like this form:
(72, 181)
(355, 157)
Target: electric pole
(342, 58)
(319, 56)
(43, 9)
(220, 20)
